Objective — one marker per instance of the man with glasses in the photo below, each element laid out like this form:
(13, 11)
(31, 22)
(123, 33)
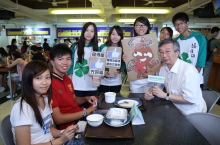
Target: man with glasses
(192, 44)
(181, 80)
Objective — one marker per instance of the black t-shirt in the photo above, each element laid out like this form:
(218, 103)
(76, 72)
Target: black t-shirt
(45, 45)
(14, 47)
(38, 56)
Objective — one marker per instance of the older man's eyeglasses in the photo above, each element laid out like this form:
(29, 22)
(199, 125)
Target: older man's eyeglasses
(139, 26)
(165, 52)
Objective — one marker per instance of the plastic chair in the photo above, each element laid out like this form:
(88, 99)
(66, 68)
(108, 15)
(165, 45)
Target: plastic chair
(208, 125)
(5, 131)
(210, 98)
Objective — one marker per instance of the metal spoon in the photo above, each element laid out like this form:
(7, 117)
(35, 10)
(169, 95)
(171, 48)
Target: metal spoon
(125, 102)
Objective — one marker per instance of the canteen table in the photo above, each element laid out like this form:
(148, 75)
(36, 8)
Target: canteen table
(164, 125)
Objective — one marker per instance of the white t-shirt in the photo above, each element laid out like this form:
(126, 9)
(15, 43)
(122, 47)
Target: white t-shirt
(81, 79)
(193, 50)
(26, 117)
(183, 79)
(111, 81)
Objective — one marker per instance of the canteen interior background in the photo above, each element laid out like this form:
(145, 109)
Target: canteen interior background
(32, 14)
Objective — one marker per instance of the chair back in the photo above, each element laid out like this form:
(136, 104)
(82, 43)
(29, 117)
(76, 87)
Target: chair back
(5, 131)
(210, 98)
(208, 125)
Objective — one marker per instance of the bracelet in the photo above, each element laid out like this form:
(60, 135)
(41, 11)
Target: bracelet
(51, 143)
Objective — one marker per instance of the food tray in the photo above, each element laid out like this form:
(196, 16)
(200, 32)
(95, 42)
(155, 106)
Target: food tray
(108, 132)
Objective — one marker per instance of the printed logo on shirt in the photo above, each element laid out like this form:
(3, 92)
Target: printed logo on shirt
(60, 91)
(185, 57)
(70, 87)
(193, 45)
(46, 126)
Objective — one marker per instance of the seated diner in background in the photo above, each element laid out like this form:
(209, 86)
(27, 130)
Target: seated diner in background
(182, 82)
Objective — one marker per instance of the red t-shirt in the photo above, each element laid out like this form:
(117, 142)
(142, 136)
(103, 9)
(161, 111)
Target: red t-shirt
(63, 97)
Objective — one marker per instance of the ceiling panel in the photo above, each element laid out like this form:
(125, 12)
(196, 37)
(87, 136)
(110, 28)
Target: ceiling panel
(35, 4)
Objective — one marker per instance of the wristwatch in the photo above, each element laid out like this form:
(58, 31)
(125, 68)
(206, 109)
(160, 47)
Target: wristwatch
(167, 97)
(84, 113)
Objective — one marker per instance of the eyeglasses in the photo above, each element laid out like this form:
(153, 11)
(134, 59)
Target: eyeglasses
(166, 52)
(180, 24)
(139, 26)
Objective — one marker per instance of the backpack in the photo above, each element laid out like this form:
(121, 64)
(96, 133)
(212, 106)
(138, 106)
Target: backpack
(23, 49)
(209, 52)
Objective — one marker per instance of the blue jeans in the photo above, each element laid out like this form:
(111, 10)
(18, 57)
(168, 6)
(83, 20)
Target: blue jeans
(207, 70)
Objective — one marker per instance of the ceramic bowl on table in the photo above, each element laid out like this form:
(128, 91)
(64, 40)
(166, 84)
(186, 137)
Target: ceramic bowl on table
(95, 119)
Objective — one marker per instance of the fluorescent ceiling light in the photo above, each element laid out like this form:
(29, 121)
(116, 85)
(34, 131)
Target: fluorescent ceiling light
(208, 23)
(143, 10)
(126, 20)
(86, 20)
(60, 11)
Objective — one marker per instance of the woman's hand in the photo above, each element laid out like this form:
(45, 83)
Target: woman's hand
(107, 74)
(117, 72)
(91, 99)
(69, 133)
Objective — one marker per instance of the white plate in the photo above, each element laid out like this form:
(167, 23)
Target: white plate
(126, 122)
(129, 103)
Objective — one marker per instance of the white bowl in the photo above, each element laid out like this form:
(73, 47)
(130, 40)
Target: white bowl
(110, 97)
(95, 119)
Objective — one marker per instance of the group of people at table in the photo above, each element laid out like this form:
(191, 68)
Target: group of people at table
(59, 94)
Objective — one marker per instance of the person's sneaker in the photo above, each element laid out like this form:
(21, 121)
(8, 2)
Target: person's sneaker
(2, 89)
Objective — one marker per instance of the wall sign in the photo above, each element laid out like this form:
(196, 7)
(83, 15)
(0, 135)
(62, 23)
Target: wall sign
(27, 31)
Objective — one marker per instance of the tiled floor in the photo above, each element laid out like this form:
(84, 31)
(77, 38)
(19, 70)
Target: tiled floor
(5, 108)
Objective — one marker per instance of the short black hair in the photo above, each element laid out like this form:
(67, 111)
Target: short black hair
(34, 48)
(60, 50)
(182, 16)
(39, 48)
(215, 29)
(16, 55)
(45, 39)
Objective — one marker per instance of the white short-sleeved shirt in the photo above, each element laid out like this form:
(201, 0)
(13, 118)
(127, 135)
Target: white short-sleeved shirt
(183, 79)
(26, 117)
